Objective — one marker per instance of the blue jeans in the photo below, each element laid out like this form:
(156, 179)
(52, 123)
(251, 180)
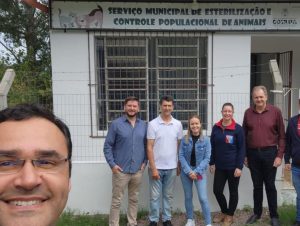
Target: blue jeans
(201, 186)
(296, 182)
(165, 187)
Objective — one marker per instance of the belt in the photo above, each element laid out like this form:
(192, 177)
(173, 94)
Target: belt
(267, 148)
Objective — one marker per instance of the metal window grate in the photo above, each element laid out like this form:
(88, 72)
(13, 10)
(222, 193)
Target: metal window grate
(150, 67)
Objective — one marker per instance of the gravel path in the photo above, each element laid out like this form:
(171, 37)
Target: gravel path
(239, 219)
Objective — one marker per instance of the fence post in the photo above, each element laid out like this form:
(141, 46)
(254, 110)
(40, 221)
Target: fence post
(5, 85)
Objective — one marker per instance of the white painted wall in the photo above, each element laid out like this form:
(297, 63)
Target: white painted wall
(70, 78)
(91, 190)
(91, 182)
(231, 73)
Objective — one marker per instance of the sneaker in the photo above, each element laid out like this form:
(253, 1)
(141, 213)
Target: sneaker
(190, 222)
(167, 223)
(153, 223)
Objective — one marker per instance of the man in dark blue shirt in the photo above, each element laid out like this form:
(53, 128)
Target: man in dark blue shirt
(125, 152)
(292, 150)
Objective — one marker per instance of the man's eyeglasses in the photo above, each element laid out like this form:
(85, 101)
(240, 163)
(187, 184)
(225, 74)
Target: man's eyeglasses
(10, 165)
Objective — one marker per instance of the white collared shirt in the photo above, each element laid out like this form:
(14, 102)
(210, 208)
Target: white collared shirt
(166, 136)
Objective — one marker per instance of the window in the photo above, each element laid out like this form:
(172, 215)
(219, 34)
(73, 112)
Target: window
(150, 67)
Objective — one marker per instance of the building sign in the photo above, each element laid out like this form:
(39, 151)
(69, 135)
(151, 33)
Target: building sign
(171, 16)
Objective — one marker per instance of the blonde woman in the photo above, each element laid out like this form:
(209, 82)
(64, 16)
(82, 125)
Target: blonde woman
(194, 156)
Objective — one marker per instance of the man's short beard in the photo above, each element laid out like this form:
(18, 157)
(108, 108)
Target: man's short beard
(131, 116)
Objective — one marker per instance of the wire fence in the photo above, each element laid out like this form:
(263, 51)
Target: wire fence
(82, 112)
(82, 108)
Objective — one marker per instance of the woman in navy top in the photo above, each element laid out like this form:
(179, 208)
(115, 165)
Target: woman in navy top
(226, 162)
(194, 156)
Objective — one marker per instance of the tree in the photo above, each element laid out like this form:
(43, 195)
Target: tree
(24, 39)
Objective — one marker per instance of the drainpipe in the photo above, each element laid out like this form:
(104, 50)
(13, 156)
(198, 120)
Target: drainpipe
(212, 80)
(37, 5)
(278, 84)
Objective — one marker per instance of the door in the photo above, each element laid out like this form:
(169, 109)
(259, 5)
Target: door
(261, 75)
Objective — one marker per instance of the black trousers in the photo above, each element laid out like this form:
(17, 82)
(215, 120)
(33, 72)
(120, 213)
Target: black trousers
(221, 176)
(263, 172)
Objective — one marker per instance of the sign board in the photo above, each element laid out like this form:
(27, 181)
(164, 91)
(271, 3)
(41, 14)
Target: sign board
(176, 16)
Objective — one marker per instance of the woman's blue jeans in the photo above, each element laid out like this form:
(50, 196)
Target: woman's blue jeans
(296, 182)
(201, 186)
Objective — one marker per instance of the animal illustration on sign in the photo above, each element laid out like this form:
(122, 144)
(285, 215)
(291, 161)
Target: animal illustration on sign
(93, 19)
(66, 21)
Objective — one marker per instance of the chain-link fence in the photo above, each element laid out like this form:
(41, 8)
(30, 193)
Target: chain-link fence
(84, 112)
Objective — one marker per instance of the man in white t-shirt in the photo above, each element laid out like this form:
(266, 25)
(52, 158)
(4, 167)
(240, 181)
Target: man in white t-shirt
(163, 136)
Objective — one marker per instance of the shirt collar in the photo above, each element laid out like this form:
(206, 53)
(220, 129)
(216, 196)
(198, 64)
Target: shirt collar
(230, 127)
(161, 121)
(267, 108)
(124, 119)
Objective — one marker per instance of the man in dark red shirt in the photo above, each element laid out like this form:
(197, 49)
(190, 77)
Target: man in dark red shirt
(265, 143)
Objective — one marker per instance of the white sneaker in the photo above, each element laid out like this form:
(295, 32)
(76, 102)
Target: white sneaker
(208, 225)
(190, 222)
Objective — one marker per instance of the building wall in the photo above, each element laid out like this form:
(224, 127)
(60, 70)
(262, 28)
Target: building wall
(229, 71)
(282, 43)
(91, 190)
(70, 77)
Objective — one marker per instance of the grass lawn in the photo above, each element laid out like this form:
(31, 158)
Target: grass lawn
(287, 215)
(71, 218)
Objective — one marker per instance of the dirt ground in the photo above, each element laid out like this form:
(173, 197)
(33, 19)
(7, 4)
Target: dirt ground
(240, 218)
